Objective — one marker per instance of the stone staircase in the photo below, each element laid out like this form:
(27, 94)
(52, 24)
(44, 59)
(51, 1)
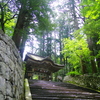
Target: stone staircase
(48, 90)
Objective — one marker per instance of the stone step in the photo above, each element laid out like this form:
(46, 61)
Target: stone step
(52, 98)
(63, 93)
(59, 96)
(46, 90)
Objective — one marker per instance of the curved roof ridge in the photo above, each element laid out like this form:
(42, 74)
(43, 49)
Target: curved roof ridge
(38, 58)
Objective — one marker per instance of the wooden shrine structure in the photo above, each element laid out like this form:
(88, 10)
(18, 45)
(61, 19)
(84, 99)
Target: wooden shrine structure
(43, 67)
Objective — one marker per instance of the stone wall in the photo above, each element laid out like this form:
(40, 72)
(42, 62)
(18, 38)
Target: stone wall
(11, 71)
(89, 81)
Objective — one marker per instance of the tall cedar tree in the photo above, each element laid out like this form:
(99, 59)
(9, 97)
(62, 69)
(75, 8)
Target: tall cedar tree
(31, 11)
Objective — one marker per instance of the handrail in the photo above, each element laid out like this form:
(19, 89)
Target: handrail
(28, 95)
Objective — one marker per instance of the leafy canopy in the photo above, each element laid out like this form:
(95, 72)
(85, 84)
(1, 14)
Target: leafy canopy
(76, 50)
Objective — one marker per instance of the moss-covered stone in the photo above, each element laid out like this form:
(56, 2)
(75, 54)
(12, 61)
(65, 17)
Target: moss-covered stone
(89, 81)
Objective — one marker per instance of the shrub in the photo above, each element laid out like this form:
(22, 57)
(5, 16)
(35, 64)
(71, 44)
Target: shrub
(73, 73)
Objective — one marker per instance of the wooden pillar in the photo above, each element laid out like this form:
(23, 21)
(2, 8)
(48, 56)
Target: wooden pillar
(50, 77)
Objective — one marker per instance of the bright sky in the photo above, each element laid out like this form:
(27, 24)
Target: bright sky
(27, 49)
(55, 4)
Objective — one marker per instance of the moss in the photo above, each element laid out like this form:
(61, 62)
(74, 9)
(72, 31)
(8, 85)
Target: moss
(85, 81)
(27, 91)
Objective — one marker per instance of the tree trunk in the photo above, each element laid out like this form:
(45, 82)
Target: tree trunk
(98, 63)
(22, 46)
(74, 14)
(97, 52)
(2, 18)
(83, 66)
(43, 52)
(93, 63)
(18, 31)
(94, 70)
(48, 46)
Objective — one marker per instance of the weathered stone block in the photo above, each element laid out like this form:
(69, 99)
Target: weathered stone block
(9, 98)
(2, 85)
(9, 89)
(3, 67)
(17, 95)
(5, 58)
(1, 96)
(2, 46)
(8, 71)
(11, 65)
(11, 72)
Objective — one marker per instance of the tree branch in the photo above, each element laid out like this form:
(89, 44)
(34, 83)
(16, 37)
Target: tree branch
(6, 3)
(10, 18)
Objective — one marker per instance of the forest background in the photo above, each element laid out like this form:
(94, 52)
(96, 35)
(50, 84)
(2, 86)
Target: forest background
(68, 31)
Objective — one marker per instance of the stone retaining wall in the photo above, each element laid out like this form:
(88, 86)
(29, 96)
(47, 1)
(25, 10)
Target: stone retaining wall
(11, 71)
(89, 81)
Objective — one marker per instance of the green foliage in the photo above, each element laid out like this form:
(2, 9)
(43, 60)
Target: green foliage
(9, 27)
(35, 77)
(73, 73)
(6, 17)
(39, 12)
(90, 9)
(76, 50)
(91, 13)
(78, 47)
